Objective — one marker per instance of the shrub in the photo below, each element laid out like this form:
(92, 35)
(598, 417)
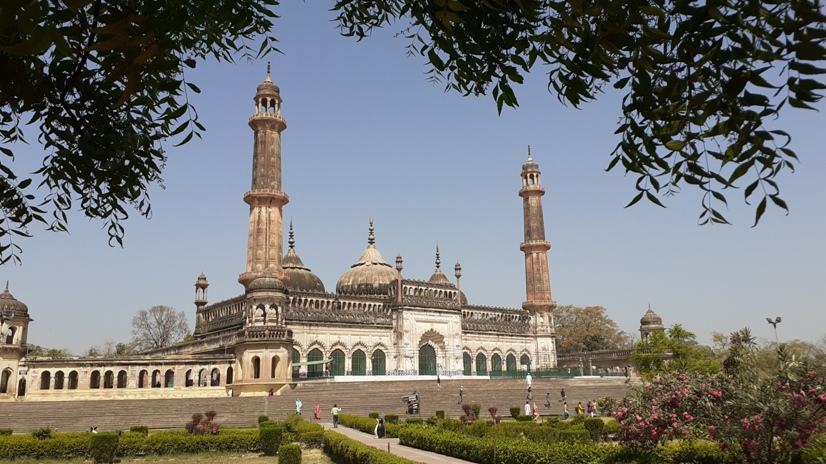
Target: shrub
(440, 414)
(391, 418)
(5, 432)
(343, 450)
(477, 409)
(373, 415)
(552, 421)
(314, 439)
(594, 427)
(263, 418)
(524, 418)
(140, 429)
(515, 411)
(606, 405)
(203, 424)
(414, 420)
(103, 446)
(268, 423)
(289, 454)
(42, 434)
(269, 440)
(610, 430)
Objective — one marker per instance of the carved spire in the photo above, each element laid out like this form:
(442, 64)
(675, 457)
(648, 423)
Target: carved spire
(529, 147)
(438, 261)
(291, 241)
(371, 239)
(268, 79)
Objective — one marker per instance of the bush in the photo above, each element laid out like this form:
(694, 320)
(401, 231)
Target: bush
(268, 423)
(515, 411)
(140, 429)
(414, 420)
(42, 434)
(391, 418)
(5, 432)
(594, 427)
(373, 415)
(269, 440)
(610, 430)
(343, 450)
(263, 418)
(289, 454)
(524, 418)
(477, 408)
(606, 405)
(103, 446)
(440, 414)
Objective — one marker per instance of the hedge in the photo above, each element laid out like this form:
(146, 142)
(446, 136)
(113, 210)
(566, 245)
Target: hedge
(696, 452)
(103, 447)
(343, 450)
(289, 454)
(140, 429)
(5, 431)
(507, 450)
(269, 439)
(368, 425)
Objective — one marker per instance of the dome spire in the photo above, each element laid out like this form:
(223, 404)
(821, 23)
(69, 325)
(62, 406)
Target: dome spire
(371, 239)
(291, 241)
(438, 261)
(268, 79)
(529, 148)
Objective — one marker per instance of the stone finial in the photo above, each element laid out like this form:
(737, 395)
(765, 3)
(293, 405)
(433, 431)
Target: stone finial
(457, 270)
(529, 150)
(371, 239)
(438, 261)
(291, 241)
(268, 79)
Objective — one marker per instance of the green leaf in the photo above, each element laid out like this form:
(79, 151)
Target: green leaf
(758, 213)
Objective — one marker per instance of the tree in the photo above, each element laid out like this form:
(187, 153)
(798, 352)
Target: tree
(586, 329)
(105, 81)
(158, 327)
(675, 350)
(40, 351)
(702, 80)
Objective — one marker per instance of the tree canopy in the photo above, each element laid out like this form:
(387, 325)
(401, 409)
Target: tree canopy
(675, 350)
(105, 83)
(153, 328)
(587, 329)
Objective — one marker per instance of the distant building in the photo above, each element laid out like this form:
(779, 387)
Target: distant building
(285, 324)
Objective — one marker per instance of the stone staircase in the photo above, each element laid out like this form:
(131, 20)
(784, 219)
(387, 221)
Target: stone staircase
(359, 398)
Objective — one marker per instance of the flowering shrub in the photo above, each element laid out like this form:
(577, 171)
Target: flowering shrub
(757, 417)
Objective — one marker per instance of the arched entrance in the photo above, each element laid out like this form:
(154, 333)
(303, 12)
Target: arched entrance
(21, 388)
(315, 370)
(337, 363)
(359, 363)
(427, 360)
(4, 381)
(525, 361)
(496, 365)
(510, 365)
(379, 363)
(481, 364)
(467, 364)
(215, 380)
(229, 375)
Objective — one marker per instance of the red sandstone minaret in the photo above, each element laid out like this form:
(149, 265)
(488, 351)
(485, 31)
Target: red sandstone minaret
(265, 196)
(537, 280)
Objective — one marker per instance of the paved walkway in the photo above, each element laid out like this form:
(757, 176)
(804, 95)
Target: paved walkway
(392, 445)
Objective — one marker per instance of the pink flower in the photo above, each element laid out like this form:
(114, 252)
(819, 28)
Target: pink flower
(712, 428)
(675, 425)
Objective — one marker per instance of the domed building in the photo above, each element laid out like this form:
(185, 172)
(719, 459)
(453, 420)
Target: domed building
(286, 325)
(650, 323)
(14, 328)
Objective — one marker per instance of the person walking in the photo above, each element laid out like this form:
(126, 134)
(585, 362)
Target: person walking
(565, 413)
(578, 409)
(535, 411)
(438, 383)
(528, 380)
(548, 400)
(564, 396)
(589, 408)
(298, 406)
(527, 409)
(317, 412)
(334, 412)
(461, 395)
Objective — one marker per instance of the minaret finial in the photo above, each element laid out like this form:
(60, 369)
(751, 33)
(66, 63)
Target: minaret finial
(371, 239)
(438, 261)
(529, 153)
(7, 285)
(291, 241)
(268, 79)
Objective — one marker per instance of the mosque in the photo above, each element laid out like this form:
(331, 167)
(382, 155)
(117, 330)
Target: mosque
(287, 326)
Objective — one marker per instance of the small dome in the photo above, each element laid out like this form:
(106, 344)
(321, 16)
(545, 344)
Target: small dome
(301, 279)
(9, 305)
(530, 164)
(268, 88)
(369, 276)
(266, 283)
(651, 318)
(202, 281)
(439, 277)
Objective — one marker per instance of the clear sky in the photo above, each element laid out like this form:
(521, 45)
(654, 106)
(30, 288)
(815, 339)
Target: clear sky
(368, 135)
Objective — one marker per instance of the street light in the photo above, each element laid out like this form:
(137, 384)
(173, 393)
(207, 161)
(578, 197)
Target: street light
(774, 323)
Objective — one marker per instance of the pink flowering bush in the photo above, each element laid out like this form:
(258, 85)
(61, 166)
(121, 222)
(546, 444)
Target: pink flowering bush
(757, 417)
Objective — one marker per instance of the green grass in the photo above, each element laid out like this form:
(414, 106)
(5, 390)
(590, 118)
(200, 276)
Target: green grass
(307, 457)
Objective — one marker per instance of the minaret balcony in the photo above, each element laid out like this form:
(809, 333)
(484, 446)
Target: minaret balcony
(266, 197)
(534, 246)
(531, 191)
(264, 121)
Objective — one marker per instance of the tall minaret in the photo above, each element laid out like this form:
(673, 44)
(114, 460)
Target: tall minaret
(265, 196)
(537, 280)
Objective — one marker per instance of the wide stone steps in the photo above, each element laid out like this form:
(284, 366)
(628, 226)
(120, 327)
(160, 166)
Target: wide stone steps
(358, 398)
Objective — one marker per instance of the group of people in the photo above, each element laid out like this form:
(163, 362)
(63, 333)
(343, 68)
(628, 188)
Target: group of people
(590, 409)
(317, 411)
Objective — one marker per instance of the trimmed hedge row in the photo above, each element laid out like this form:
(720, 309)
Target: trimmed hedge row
(343, 450)
(505, 450)
(697, 452)
(289, 454)
(367, 425)
(78, 445)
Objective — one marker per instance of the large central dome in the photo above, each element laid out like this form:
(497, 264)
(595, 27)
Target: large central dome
(371, 275)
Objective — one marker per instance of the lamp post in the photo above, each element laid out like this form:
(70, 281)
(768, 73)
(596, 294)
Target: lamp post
(774, 323)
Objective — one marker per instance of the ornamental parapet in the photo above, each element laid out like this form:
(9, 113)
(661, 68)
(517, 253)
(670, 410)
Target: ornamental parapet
(596, 355)
(252, 334)
(419, 293)
(266, 197)
(535, 245)
(321, 302)
(502, 327)
(373, 319)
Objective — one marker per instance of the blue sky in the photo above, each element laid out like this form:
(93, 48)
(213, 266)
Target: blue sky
(368, 135)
